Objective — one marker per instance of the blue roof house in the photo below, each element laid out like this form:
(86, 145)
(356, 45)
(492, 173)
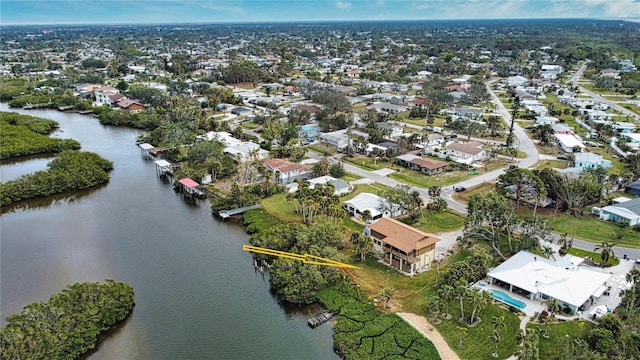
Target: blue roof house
(309, 131)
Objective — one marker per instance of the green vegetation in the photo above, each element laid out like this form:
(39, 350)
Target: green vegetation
(68, 324)
(551, 346)
(71, 170)
(278, 206)
(12, 87)
(592, 229)
(437, 222)
(23, 135)
(362, 332)
(593, 255)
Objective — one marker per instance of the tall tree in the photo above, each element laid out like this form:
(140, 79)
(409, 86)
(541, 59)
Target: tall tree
(606, 252)
(514, 116)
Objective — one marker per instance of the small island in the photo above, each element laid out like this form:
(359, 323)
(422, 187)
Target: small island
(68, 324)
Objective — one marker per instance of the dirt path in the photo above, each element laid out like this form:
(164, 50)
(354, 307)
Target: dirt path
(421, 324)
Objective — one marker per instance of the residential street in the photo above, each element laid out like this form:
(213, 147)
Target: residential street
(523, 142)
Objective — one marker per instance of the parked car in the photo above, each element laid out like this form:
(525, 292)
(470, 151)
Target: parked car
(459, 189)
(562, 157)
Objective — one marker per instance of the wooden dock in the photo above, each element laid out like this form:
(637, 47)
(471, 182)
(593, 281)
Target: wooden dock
(225, 214)
(319, 319)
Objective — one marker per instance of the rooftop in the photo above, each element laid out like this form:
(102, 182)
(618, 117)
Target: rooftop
(403, 236)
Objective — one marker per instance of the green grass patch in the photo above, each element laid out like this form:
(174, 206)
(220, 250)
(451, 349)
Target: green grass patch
(478, 189)
(592, 229)
(322, 148)
(249, 125)
(595, 256)
(367, 163)
(551, 347)
(549, 164)
(477, 344)
(278, 206)
(444, 221)
(374, 188)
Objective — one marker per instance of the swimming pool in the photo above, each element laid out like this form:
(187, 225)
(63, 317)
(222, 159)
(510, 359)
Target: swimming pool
(505, 298)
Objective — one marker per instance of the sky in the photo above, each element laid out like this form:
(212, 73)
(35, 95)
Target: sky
(224, 11)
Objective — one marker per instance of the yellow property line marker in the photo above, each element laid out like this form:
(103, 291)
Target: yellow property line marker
(306, 258)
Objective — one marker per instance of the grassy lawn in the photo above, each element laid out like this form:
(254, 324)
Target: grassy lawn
(278, 206)
(418, 179)
(322, 148)
(477, 344)
(548, 164)
(444, 221)
(478, 189)
(368, 163)
(594, 255)
(632, 107)
(249, 125)
(592, 229)
(411, 294)
(551, 348)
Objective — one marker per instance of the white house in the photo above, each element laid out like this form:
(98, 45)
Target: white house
(466, 152)
(535, 277)
(102, 94)
(246, 151)
(341, 187)
(548, 71)
(395, 129)
(287, 171)
(569, 142)
(546, 120)
(339, 139)
(517, 81)
(367, 201)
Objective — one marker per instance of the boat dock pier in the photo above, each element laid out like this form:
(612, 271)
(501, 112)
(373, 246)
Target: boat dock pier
(163, 167)
(225, 214)
(319, 319)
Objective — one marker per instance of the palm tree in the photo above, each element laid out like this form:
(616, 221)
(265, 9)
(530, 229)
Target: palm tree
(606, 252)
(366, 216)
(387, 294)
(463, 331)
(552, 305)
(633, 276)
(547, 251)
(479, 299)
(498, 322)
(495, 336)
(447, 293)
(461, 293)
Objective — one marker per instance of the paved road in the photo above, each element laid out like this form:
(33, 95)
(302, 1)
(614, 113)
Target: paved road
(524, 144)
(612, 104)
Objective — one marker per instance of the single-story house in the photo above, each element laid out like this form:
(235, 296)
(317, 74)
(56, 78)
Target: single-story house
(535, 277)
(339, 139)
(395, 129)
(130, 105)
(625, 212)
(404, 247)
(633, 188)
(418, 102)
(389, 108)
(245, 151)
(466, 152)
(569, 142)
(287, 171)
(366, 201)
(341, 187)
(424, 165)
(309, 131)
(546, 120)
(517, 80)
(587, 160)
(465, 112)
(240, 111)
(624, 127)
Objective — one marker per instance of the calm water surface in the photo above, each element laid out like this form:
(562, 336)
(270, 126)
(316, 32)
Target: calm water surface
(197, 296)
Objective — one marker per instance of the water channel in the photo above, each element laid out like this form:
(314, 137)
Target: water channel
(197, 295)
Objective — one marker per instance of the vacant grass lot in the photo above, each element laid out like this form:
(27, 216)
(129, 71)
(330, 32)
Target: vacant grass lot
(444, 221)
(411, 294)
(551, 348)
(592, 229)
(464, 196)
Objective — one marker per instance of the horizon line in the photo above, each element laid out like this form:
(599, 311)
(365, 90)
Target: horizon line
(241, 22)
